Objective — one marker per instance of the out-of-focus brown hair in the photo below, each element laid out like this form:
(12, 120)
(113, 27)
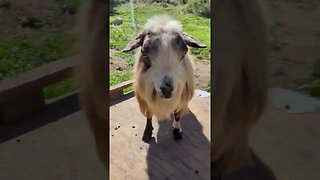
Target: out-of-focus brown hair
(92, 73)
(239, 79)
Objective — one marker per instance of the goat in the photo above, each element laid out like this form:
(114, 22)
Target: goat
(163, 72)
(239, 80)
(92, 74)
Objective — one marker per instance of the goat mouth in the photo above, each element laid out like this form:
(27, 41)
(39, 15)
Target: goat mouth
(165, 96)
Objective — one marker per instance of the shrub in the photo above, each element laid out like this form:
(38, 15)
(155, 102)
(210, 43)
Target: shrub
(5, 3)
(32, 22)
(198, 7)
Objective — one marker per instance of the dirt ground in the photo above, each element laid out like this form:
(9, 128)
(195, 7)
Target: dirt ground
(47, 10)
(300, 34)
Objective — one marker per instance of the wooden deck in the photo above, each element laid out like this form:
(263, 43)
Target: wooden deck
(56, 143)
(163, 158)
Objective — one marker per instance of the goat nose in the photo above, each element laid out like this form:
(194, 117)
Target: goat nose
(167, 87)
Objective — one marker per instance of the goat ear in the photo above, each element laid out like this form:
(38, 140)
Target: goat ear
(191, 41)
(136, 42)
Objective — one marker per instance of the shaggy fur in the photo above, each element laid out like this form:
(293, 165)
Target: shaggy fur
(165, 60)
(163, 63)
(92, 75)
(239, 80)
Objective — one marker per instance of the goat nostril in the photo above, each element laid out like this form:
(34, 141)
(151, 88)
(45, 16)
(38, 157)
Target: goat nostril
(169, 85)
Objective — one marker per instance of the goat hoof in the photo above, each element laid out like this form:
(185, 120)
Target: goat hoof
(147, 137)
(177, 134)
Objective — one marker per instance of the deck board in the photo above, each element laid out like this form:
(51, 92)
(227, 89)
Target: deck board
(163, 158)
(61, 150)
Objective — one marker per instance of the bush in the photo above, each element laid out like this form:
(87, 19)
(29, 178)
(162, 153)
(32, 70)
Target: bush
(115, 3)
(32, 22)
(316, 69)
(5, 3)
(198, 7)
(69, 6)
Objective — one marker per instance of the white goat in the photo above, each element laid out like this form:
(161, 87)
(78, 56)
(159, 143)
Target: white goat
(163, 71)
(239, 80)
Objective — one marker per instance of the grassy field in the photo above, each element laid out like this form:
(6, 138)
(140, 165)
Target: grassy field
(120, 36)
(36, 38)
(194, 25)
(22, 53)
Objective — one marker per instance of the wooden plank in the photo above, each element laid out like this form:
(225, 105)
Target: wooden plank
(22, 94)
(116, 94)
(68, 145)
(50, 73)
(122, 85)
(117, 91)
(21, 106)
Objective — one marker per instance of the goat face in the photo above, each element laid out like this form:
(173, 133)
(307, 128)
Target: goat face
(161, 57)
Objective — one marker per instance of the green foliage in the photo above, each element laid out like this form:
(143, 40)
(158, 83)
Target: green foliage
(115, 3)
(314, 89)
(316, 69)
(22, 53)
(5, 3)
(32, 22)
(117, 78)
(69, 6)
(208, 87)
(312, 84)
(198, 7)
(127, 90)
(56, 90)
(121, 35)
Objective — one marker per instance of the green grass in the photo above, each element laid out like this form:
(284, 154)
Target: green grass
(312, 84)
(117, 78)
(316, 69)
(69, 6)
(314, 87)
(32, 22)
(22, 53)
(208, 87)
(56, 90)
(121, 35)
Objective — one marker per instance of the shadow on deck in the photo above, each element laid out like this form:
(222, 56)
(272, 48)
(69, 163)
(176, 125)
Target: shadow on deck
(163, 158)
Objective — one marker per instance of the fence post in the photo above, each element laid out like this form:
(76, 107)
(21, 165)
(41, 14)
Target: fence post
(134, 22)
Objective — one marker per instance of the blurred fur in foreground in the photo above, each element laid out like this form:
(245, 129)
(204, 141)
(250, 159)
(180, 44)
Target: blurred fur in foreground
(92, 75)
(239, 80)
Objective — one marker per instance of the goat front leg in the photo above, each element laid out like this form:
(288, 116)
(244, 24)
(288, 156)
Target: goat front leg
(176, 127)
(147, 135)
